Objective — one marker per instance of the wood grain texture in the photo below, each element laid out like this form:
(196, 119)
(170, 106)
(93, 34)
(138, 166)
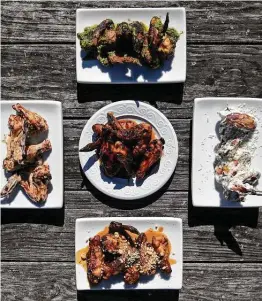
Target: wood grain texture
(222, 248)
(209, 234)
(56, 281)
(48, 72)
(207, 21)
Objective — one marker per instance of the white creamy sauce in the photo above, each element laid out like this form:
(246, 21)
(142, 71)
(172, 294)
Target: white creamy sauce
(233, 161)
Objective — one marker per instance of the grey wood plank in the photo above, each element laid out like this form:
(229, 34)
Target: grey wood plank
(207, 21)
(210, 235)
(56, 281)
(74, 179)
(48, 72)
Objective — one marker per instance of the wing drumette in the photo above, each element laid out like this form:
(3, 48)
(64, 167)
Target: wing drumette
(34, 151)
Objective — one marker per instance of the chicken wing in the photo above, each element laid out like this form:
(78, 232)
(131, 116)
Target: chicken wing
(12, 182)
(123, 237)
(160, 245)
(138, 35)
(132, 275)
(95, 260)
(15, 142)
(236, 125)
(151, 156)
(35, 122)
(113, 59)
(115, 156)
(34, 151)
(99, 31)
(148, 258)
(36, 187)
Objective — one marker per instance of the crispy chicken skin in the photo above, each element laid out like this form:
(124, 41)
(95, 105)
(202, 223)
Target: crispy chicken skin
(36, 187)
(148, 257)
(118, 253)
(131, 43)
(113, 243)
(115, 156)
(152, 155)
(24, 159)
(122, 230)
(34, 120)
(12, 182)
(15, 142)
(113, 58)
(34, 151)
(160, 245)
(124, 145)
(132, 275)
(95, 261)
(241, 120)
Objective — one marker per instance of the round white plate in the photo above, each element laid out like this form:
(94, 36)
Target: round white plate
(123, 188)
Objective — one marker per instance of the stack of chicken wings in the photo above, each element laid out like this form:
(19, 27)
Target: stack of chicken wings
(24, 162)
(125, 148)
(118, 253)
(133, 42)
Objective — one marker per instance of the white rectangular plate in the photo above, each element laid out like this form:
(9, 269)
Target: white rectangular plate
(89, 227)
(205, 192)
(52, 112)
(93, 72)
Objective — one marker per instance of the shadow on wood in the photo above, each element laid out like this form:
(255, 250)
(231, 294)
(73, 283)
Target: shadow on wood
(126, 295)
(35, 216)
(221, 218)
(144, 92)
(123, 204)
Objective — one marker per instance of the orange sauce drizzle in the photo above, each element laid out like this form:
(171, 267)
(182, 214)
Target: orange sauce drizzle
(81, 254)
(103, 232)
(80, 257)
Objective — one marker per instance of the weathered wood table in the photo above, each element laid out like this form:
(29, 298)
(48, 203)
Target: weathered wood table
(222, 248)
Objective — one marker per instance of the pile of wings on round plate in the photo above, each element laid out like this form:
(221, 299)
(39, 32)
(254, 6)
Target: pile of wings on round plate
(24, 162)
(118, 253)
(125, 148)
(130, 42)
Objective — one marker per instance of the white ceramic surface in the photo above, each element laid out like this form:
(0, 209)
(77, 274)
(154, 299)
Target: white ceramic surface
(123, 188)
(93, 72)
(88, 227)
(52, 112)
(205, 192)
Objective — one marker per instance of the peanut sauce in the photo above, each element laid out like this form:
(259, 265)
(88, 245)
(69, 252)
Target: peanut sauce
(81, 254)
